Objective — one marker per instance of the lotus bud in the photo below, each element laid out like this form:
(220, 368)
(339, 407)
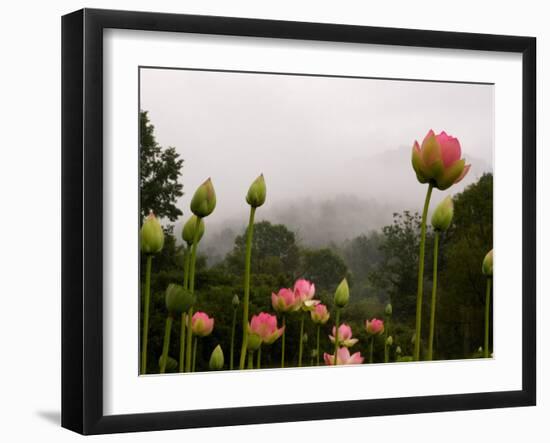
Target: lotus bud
(487, 267)
(285, 301)
(304, 338)
(152, 235)
(438, 160)
(344, 357)
(388, 310)
(345, 336)
(254, 342)
(398, 350)
(264, 325)
(188, 231)
(313, 353)
(256, 193)
(235, 301)
(480, 350)
(341, 296)
(443, 215)
(201, 324)
(171, 363)
(216, 359)
(389, 341)
(203, 202)
(178, 299)
(374, 326)
(320, 314)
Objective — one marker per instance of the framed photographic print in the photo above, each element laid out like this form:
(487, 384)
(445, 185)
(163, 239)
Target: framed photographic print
(269, 221)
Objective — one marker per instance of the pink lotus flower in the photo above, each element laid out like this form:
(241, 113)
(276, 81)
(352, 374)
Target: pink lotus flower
(374, 326)
(438, 160)
(265, 326)
(344, 336)
(304, 289)
(320, 314)
(201, 324)
(285, 301)
(344, 358)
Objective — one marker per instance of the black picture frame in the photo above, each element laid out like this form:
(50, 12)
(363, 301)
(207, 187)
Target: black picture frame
(82, 219)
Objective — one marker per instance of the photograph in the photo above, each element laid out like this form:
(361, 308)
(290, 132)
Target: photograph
(291, 220)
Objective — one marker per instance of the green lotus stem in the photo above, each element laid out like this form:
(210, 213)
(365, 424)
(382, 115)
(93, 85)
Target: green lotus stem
(386, 353)
(183, 318)
(318, 341)
(487, 309)
(191, 290)
(337, 324)
(166, 344)
(371, 350)
(421, 274)
(250, 360)
(182, 343)
(301, 348)
(283, 342)
(232, 349)
(434, 298)
(248, 254)
(259, 358)
(195, 340)
(146, 303)
(186, 268)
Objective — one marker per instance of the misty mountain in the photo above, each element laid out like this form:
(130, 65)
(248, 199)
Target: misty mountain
(363, 198)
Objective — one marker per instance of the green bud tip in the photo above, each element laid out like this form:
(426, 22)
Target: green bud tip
(216, 359)
(257, 192)
(203, 202)
(151, 235)
(388, 310)
(188, 231)
(398, 350)
(389, 341)
(443, 214)
(235, 301)
(487, 267)
(341, 296)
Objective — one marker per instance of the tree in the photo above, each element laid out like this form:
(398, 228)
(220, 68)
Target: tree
(397, 272)
(462, 283)
(324, 267)
(159, 171)
(274, 251)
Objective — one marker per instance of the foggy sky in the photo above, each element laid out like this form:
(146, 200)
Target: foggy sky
(315, 139)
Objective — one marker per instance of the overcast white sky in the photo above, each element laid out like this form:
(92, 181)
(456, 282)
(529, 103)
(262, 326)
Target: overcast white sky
(314, 138)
